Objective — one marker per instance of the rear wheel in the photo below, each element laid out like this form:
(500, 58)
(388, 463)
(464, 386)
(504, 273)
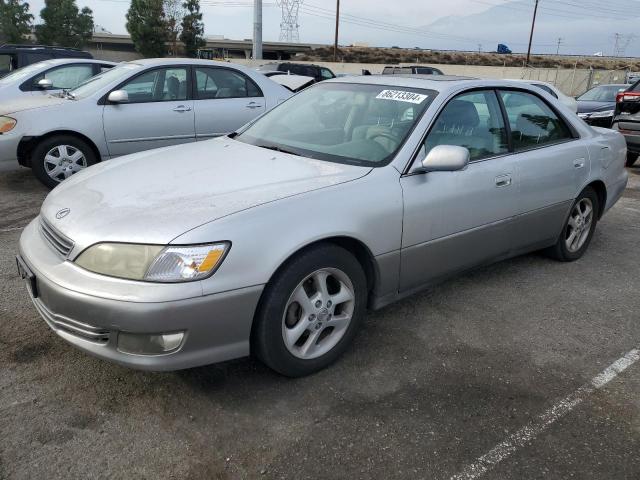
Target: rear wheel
(631, 158)
(57, 158)
(310, 311)
(578, 229)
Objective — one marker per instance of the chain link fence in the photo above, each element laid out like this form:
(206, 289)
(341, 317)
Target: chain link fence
(577, 81)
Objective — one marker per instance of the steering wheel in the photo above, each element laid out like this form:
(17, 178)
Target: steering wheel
(389, 136)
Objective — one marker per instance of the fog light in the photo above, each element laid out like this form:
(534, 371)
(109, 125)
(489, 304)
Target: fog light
(144, 344)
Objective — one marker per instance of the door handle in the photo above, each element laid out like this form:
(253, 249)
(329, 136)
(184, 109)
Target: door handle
(253, 105)
(503, 181)
(182, 108)
(578, 163)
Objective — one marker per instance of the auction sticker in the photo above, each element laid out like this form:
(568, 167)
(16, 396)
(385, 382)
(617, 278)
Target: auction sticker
(402, 96)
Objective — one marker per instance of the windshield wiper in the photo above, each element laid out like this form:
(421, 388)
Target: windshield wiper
(278, 149)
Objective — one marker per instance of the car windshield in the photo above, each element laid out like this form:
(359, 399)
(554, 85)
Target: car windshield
(23, 72)
(342, 122)
(94, 84)
(603, 93)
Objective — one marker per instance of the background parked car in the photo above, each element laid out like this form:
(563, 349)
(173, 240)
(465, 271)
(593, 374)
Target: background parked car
(316, 71)
(552, 90)
(596, 106)
(14, 56)
(132, 107)
(627, 120)
(295, 83)
(50, 76)
(411, 70)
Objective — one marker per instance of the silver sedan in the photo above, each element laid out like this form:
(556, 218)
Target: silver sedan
(135, 106)
(273, 241)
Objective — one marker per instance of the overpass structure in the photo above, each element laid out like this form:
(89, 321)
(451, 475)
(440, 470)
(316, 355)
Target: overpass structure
(107, 46)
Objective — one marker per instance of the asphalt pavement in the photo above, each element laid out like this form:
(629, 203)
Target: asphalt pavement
(522, 370)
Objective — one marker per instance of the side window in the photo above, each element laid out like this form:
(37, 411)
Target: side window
(6, 64)
(68, 76)
(35, 57)
(532, 121)
(223, 83)
(472, 120)
(326, 73)
(160, 85)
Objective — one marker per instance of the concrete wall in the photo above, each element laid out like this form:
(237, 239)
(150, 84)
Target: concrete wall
(570, 81)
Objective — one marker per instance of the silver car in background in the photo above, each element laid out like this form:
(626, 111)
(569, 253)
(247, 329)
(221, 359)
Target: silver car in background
(49, 77)
(133, 107)
(273, 241)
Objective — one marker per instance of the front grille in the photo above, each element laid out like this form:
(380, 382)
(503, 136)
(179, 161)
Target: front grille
(73, 327)
(55, 239)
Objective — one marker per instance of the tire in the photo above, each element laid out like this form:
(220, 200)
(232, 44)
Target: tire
(322, 330)
(631, 158)
(566, 250)
(72, 161)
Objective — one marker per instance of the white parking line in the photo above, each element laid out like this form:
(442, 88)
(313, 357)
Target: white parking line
(534, 428)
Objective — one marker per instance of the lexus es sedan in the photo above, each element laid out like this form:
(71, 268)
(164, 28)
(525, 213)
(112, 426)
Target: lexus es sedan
(274, 240)
(135, 106)
(49, 77)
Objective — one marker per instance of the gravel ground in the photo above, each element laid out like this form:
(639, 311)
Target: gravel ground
(431, 383)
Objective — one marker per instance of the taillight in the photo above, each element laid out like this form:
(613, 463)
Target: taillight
(628, 97)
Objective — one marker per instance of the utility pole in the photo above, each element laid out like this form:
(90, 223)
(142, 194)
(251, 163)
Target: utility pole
(533, 24)
(479, 48)
(559, 43)
(335, 43)
(257, 30)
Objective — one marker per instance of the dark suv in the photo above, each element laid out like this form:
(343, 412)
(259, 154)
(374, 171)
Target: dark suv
(13, 57)
(411, 70)
(316, 71)
(626, 119)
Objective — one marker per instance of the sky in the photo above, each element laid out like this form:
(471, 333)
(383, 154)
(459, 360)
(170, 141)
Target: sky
(583, 26)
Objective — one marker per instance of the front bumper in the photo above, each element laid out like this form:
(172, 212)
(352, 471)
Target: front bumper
(217, 327)
(9, 146)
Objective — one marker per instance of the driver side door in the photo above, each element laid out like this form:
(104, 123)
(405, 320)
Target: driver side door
(457, 220)
(159, 112)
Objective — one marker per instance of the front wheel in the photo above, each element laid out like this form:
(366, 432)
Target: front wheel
(57, 158)
(310, 311)
(578, 228)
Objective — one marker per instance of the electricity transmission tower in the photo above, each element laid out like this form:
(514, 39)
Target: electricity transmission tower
(621, 44)
(289, 24)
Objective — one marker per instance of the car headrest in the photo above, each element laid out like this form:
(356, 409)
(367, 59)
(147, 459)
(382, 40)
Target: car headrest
(460, 114)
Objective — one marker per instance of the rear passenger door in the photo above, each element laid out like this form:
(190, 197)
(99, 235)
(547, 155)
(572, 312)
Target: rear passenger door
(553, 166)
(225, 99)
(456, 220)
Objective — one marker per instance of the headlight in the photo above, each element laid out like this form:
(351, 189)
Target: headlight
(153, 263)
(7, 124)
(606, 113)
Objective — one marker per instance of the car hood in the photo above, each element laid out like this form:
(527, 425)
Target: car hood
(585, 106)
(157, 195)
(29, 102)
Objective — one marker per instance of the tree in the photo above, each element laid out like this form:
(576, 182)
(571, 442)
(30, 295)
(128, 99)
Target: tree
(64, 25)
(147, 25)
(173, 12)
(15, 21)
(192, 28)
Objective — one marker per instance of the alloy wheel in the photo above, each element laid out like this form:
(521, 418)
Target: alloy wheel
(318, 313)
(579, 225)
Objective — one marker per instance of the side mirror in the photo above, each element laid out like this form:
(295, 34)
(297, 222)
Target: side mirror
(446, 158)
(118, 96)
(44, 84)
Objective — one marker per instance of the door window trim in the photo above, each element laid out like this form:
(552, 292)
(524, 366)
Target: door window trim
(574, 133)
(237, 72)
(103, 100)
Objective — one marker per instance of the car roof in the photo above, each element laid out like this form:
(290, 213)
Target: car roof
(183, 60)
(439, 83)
(64, 61)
